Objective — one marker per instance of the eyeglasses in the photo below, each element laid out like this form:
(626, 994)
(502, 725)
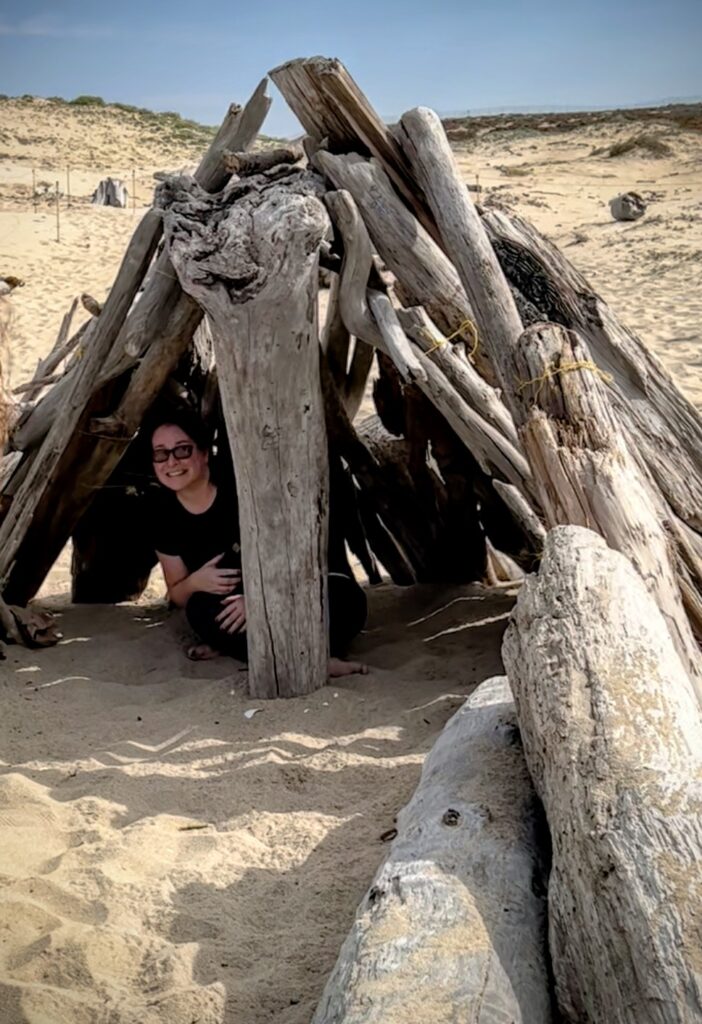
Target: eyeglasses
(180, 452)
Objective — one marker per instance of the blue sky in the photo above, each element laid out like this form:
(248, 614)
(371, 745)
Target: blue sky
(454, 56)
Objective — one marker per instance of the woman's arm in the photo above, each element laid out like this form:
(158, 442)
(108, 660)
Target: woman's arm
(181, 584)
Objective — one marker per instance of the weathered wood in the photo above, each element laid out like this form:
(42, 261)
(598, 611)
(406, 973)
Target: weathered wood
(357, 377)
(110, 192)
(522, 512)
(458, 370)
(355, 268)
(453, 925)
(613, 740)
(465, 240)
(162, 322)
(257, 279)
(664, 428)
(584, 472)
(163, 311)
(255, 163)
(103, 334)
(333, 111)
(424, 274)
(394, 340)
(492, 450)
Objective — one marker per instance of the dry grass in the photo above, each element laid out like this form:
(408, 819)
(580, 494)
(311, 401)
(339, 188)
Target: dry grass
(645, 144)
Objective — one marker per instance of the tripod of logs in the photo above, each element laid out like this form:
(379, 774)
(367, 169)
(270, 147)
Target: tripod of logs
(544, 416)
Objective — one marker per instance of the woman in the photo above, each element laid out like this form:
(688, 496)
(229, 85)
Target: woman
(197, 541)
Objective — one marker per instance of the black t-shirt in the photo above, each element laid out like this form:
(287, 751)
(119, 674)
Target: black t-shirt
(197, 538)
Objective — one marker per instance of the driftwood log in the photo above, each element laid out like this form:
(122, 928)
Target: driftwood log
(453, 925)
(110, 192)
(585, 473)
(250, 259)
(613, 740)
(158, 330)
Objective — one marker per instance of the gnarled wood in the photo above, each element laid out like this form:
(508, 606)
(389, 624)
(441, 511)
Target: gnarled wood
(583, 470)
(255, 163)
(453, 925)
(256, 276)
(664, 428)
(613, 740)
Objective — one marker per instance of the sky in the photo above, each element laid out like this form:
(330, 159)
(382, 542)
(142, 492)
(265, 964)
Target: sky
(197, 57)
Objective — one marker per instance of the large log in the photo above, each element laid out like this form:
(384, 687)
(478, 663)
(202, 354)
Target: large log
(584, 472)
(464, 238)
(334, 112)
(613, 740)
(251, 261)
(664, 428)
(453, 925)
(161, 325)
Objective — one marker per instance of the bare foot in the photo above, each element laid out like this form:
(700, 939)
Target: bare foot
(201, 652)
(338, 667)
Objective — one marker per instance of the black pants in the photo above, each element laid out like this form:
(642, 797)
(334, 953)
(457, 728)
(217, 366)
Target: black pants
(347, 616)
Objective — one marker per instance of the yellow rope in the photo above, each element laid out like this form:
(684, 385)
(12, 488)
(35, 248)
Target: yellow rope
(465, 325)
(554, 371)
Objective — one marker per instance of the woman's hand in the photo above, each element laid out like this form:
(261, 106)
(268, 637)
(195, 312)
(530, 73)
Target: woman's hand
(211, 580)
(232, 618)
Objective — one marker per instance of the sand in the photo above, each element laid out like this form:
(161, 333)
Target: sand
(164, 859)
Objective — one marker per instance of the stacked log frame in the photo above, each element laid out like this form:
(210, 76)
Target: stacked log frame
(514, 414)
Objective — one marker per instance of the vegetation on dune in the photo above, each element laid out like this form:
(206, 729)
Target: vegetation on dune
(651, 145)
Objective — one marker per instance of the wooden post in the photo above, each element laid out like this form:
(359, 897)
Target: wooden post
(613, 740)
(453, 926)
(58, 227)
(34, 189)
(257, 279)
(133, 191)
(68, 185)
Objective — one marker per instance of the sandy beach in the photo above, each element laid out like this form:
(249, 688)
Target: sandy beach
(165, 859)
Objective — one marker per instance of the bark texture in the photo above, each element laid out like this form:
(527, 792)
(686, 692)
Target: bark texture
(613, 740)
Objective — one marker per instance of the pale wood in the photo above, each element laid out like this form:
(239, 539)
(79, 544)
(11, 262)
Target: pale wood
(255, 163)
(613, 740)
(464, 238)
(163, 322)
(163, 316)
(261, 300)
(335, 112)
(664, 427)
(453, 925)
(395, 342)
(424, 274)
(584, 472)
(355, 268)
(458, 370)
(335, 337)
(102, 336)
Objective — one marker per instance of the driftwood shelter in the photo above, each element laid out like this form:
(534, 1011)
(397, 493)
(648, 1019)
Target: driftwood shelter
(516, 417)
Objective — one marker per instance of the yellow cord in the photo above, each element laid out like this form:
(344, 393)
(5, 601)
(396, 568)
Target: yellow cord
(582, 364)
(466, 325)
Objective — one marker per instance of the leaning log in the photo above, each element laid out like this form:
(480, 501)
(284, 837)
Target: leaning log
(105, 330)
(453, 925)
(256, 276)
(335, 113)
(464, 238)
(161, 325)
(613, 740)
(584, 472)
(662, 425)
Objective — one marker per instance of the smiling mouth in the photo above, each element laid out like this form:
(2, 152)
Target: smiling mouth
(175, 472)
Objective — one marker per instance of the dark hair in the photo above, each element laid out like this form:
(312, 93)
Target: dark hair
(186, 420)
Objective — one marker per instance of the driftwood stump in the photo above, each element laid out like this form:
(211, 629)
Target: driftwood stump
(453, 926)
(613, 740)
(250, 258)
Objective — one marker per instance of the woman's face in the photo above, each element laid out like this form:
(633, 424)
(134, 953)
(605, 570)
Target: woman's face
(175, 473)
